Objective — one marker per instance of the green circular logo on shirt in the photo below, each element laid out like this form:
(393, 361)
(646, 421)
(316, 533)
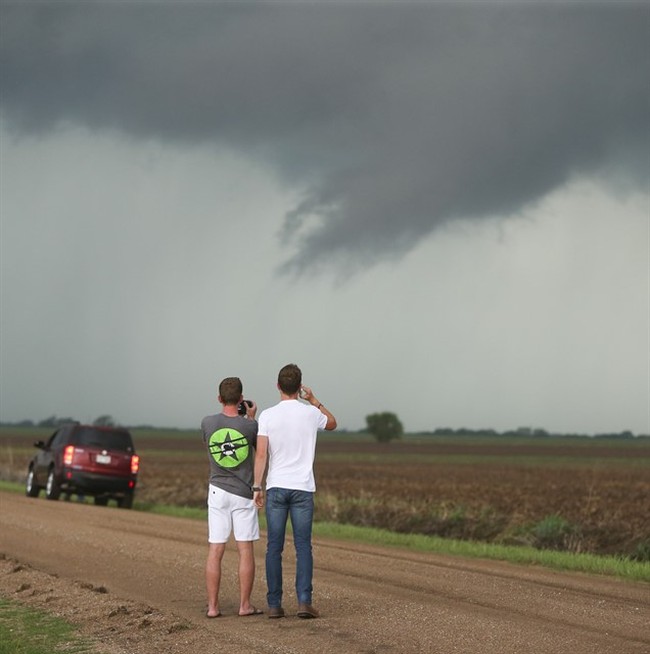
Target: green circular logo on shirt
(228, 447)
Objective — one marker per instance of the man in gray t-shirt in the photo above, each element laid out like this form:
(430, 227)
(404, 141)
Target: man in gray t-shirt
(230, 440)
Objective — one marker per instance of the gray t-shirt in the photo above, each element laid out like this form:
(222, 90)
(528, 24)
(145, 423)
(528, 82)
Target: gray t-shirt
(231, 443)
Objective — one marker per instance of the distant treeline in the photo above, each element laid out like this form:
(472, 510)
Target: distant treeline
(527, 432)
(52, 422)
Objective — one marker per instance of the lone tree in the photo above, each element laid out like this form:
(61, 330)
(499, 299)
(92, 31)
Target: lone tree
(384, 426)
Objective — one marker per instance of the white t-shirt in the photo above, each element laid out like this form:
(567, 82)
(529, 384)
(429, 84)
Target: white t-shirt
(291, 427)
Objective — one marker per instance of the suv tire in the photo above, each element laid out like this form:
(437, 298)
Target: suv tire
(125, 502)
(32, 489)
(52, 489)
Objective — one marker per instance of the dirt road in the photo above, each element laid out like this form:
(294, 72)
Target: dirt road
(134, 583)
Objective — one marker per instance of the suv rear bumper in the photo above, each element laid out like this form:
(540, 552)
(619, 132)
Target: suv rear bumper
(95, 484)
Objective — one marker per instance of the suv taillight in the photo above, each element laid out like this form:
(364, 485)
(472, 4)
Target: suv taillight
(67, 455)
(135, 464)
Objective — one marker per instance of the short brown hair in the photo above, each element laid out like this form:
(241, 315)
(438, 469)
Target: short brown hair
(290, 379)
(230, 390)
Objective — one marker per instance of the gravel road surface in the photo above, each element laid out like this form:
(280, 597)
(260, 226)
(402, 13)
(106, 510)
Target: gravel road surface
(134, 584)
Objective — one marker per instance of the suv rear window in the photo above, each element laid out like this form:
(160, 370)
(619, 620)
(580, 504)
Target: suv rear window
(109, 440)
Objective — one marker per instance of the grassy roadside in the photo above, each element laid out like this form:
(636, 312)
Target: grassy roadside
(26, 631)
(620, 567)
(566, 561)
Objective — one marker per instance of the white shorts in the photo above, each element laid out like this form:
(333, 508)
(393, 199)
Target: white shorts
(228, 513)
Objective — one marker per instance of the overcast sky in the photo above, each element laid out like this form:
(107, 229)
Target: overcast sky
(436, 209)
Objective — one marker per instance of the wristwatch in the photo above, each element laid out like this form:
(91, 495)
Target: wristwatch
(256, 488)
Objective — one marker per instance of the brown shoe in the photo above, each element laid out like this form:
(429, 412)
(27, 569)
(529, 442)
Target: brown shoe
(307, 611)
(276, 612)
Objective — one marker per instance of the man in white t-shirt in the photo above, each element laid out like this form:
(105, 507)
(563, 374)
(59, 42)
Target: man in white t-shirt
(287, 439)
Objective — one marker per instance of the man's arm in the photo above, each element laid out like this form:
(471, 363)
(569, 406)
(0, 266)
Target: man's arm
(261, 453)
(331, 420)
(307, 394)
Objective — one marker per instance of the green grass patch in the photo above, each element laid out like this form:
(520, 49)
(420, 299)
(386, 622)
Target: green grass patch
(27, 631)
(11, 487)
(588, 563)
(192, 513)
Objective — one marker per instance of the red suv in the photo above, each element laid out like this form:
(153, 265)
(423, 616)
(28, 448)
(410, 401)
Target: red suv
(85, 460)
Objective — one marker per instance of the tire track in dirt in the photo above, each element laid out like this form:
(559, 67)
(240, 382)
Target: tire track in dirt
(549, 599)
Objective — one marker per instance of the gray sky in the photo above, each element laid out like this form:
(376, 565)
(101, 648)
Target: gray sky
(439, 210)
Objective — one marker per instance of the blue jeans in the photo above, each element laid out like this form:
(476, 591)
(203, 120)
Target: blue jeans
(282, 503)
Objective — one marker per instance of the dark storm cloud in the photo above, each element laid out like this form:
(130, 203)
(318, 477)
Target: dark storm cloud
(392, 119)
